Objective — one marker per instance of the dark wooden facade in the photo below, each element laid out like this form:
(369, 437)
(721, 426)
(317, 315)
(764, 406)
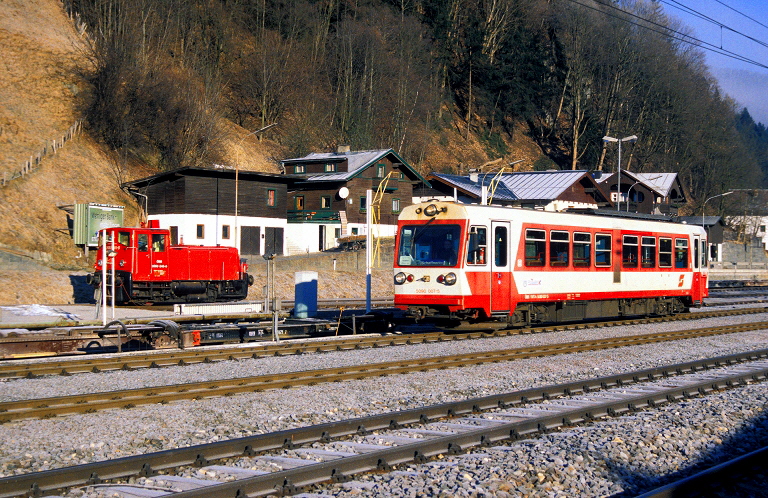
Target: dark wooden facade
(212, 191)
(319, 199)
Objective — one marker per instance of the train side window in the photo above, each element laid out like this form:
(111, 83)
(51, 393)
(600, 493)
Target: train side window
(582, 249)
(602, 249)
(535, 247)
(696, 259)
(703, 253)
(648, 252)
(158, 242)
(500, 246)
(559, 243)
(143, 242)
(681, 253)
(477, 245)
(124, 238)
(629, 251)
(665, 253)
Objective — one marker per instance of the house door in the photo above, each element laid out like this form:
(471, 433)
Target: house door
(501, 277)
(250, 241)
(273, 241)
(321, 245)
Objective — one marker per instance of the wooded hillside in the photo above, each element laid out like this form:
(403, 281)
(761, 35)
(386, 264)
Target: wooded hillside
(449, 84)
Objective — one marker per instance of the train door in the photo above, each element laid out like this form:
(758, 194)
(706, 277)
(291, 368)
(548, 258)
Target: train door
(699, 281)
(501, 277)
(143, 257)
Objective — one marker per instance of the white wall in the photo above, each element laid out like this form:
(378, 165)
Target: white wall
(212, 227)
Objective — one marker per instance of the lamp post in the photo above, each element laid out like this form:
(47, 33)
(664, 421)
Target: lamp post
(631, 138)
(703, 206)
(633, 185)
(237, 178)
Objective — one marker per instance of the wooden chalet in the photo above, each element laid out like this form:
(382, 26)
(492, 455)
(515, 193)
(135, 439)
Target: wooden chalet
(198, 206)
(649, 193)
(556, 190)
(327, 196)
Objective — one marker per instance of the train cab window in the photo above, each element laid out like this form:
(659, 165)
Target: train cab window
(648, 252)
(602, 249)
(158, 242)
(535, 247)
(477, 245)
(665, 253)
(582, 249)
(681, 253)
(124, 238)
(500, 246)
(428, 245)
(143, 242)
(559, 244)
(629, 251)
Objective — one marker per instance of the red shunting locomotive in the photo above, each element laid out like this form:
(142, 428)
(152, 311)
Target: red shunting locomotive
(148, 268)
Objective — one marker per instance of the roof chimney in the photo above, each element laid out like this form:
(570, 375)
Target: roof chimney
(343, 149)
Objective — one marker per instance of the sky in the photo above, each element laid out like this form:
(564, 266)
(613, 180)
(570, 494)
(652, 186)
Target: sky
(745, 82)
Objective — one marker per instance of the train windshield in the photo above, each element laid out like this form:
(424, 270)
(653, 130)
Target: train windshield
(429, 245)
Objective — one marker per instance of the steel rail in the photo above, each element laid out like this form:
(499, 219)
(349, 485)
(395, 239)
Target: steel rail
(15, 369)
(149, 464)
(85, 403)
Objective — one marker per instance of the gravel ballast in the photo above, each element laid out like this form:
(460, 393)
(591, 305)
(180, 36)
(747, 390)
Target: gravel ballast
(625, 454)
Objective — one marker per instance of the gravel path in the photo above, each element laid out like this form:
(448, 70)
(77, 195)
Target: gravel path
(623, 455)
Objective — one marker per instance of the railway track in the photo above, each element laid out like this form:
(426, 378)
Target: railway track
(337, 451)
(88, 403)
(15, 369)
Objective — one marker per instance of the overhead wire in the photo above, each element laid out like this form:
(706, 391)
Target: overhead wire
(667, 31)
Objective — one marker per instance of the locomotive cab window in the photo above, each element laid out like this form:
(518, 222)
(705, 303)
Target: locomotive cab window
(648, 252)
(535, 247)
(158, 242)
(602, 249)
(477, 245)
(429, 245)
(681, 253)
(143, 242)
(582, 249)
(124, 238)
(629, 251)
(665, 253)
(559, 244)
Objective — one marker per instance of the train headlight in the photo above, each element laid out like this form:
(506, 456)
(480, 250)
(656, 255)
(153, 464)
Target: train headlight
(98, 262)
(400, 278)
(449, 279)
(122, 263)
(430, 210)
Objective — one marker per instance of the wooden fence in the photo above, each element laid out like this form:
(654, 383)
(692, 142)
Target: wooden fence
(34, 160)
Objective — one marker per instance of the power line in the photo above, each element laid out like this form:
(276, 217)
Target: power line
(667, 31)
(695, 13)
(741, 13)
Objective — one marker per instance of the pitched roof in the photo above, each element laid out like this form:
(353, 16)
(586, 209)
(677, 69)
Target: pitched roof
(661, 183)
(357, 161)
(517, 186)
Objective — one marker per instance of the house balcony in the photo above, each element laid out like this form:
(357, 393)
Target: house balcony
(313, 216)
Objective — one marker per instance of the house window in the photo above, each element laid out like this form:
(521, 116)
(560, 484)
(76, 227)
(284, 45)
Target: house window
(337, 233)
(325, 202)
(380, 170)
(330, 167)
(299, 202)
(762, 228)
(354, 231)
(362, 204)
(200, 231)
(225, 231)
(299, 169)
(395, 205)
(270, 197)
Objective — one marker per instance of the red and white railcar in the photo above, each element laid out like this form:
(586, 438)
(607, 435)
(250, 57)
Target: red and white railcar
(472, 263)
